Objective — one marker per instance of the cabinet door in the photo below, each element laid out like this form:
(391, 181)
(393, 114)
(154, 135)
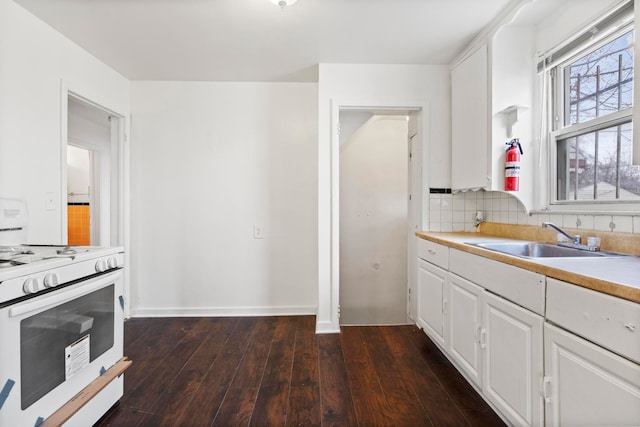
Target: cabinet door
(586, 385)
(469, 122)
(431, 293)
(465, 305)
(513, 355)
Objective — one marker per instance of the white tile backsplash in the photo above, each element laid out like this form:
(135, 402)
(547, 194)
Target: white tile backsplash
(458, 202)
(446, 203)
(523, 218)
(586, 222)
(569, 221)
(458, 216)
(624, 224)
(456, 212)
(446, 227)
(602, 223)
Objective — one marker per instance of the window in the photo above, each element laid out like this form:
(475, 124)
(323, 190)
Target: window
(593, 135)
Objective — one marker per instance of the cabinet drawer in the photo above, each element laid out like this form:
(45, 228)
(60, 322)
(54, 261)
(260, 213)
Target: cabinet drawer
(611, 322)
(515, 284)
(434, 253)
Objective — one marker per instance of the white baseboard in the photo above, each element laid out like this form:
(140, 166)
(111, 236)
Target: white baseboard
(327, 328)
(222, 311)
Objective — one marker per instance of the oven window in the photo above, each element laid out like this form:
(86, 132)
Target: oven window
(57, 343)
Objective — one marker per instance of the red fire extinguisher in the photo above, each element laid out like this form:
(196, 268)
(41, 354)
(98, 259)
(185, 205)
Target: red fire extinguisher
(512, 165)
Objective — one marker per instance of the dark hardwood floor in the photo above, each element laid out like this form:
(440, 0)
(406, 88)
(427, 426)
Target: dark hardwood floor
(275, 371)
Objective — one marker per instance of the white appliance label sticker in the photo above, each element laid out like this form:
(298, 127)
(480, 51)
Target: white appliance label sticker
(76, 356)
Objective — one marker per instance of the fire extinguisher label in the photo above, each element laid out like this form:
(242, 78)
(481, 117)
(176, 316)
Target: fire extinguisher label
(512, 169)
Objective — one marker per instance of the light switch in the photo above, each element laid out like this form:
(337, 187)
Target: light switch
(258, 232)
(50, 201)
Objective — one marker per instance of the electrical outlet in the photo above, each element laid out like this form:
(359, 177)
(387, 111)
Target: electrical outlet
(258, 232)
(50, 201)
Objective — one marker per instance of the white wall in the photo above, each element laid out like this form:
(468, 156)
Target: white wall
(209, 161)
(35, 62)
(375, 86)
(569, 19)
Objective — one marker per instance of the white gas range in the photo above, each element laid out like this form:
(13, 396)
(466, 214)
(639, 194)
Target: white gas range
(61, 323)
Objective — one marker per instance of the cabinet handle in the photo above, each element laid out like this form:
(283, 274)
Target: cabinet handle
(483, 338)
(546, 382)
(445, 306)
(431, 251)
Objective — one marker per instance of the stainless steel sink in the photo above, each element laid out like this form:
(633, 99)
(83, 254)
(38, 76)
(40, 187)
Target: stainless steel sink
(540, 250)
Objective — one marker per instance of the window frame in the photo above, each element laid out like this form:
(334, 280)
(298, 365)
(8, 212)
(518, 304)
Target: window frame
(559, 131)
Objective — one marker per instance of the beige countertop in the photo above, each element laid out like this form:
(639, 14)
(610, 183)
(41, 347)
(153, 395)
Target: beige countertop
(619, 277)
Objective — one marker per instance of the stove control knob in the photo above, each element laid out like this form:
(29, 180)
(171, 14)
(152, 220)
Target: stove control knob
(101, 266)
(30, 286)
(112, 262)
(51, 280)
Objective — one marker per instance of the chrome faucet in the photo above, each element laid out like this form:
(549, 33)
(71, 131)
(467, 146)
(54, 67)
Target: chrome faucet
(575, 239)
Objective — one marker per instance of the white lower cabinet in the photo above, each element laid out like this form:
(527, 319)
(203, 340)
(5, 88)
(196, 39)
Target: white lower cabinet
(578, 366)
(498, 346)
(586, 385)
(431, 305)
(495, 343)
(465, 325)
(511, 339)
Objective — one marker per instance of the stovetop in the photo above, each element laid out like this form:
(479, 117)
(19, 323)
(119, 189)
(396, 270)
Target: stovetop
(32, 269)
(13, 256)
(18, 257)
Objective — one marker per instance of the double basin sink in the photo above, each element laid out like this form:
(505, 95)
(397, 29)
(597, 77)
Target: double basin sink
(542, 250)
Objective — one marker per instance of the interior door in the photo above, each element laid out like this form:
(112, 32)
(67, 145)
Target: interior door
(374, 222)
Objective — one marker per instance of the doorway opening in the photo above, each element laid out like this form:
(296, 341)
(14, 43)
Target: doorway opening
(376, 182)
(92, 174)
(79, 177)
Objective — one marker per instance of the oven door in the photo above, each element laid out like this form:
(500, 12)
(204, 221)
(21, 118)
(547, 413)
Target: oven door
(54, 345)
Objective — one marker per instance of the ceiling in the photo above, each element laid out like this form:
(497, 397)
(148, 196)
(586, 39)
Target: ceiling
(253, 40)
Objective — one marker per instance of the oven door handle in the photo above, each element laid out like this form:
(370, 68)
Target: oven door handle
(61, 297)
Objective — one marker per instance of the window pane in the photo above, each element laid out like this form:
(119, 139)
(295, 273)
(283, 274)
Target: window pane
(600, 82)
(598, 166)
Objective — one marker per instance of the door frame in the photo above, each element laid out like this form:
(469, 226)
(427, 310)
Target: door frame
(117, 174)
(333, 287)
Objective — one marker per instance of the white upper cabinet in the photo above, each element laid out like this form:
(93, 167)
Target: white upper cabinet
(469, 118)
(492, 93)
